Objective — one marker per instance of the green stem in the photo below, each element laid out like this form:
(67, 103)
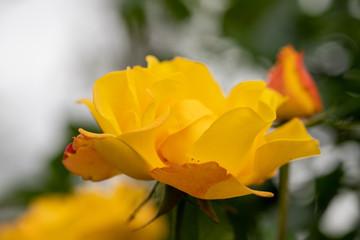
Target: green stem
(177, 221)
(284, 175)
(173, 225)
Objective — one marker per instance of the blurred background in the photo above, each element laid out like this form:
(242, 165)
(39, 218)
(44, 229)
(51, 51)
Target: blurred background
(51, 52)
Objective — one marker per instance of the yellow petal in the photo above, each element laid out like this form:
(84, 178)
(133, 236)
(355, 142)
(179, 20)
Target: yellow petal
(293, 129)
(167, 91)
(135, 153)
(130, 120)
(245, 94)
(288, 142)
(151, 61)
(113, 97)
(204, 181)
(149, 114)
(139, 80)
(229, 140)
(190, 110)
(272, 98)
(119, 154)
(194, 118)
(81, 158)
(255, 95)
(106, 125)
(294, 88)
(124, 157)
(270, 101)
(199, 83)
(175, 147)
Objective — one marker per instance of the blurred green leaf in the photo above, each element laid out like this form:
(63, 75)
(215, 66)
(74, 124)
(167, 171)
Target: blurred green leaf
(261, 27)
(134, 14)
(198, 226)
(178, 9)
(326, 188)
(244, 212)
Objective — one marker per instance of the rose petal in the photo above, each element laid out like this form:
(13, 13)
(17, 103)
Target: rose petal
(308, 82)
(229, 140)
(199, 83)
(86, 161)
(288, 142)
(135, 153)
(194, 119)
(293, 129)
(113, 96)
(175, 147)
(204, 181)
(255, 95)
(106, 125)
(245, 95)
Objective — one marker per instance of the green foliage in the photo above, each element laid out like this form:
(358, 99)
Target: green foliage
(244, 212)
(134, 15)
(326, 187)
(178, 9)
(197, 225)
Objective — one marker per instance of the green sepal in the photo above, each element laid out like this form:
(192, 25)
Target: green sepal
(207, 208)
(148, 197)
(171, 198)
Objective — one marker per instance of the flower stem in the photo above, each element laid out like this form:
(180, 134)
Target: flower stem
(284, 175)
(177, 221)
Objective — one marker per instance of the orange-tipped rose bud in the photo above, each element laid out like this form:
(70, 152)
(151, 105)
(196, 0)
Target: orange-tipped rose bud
(290, 77)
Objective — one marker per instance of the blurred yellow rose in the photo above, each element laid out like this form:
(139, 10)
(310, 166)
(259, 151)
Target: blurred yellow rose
(171, 122)
(290, 78)
(88, 214)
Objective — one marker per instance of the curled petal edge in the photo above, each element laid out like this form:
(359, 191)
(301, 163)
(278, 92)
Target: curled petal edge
(81, 158)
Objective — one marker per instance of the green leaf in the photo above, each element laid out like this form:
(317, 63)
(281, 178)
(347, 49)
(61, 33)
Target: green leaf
(327, 187)
(178, 8)
(134, 14)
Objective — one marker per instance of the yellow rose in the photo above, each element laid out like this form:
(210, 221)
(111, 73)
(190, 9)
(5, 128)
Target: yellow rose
(89, 214)
(171, 122)
(290, 78)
